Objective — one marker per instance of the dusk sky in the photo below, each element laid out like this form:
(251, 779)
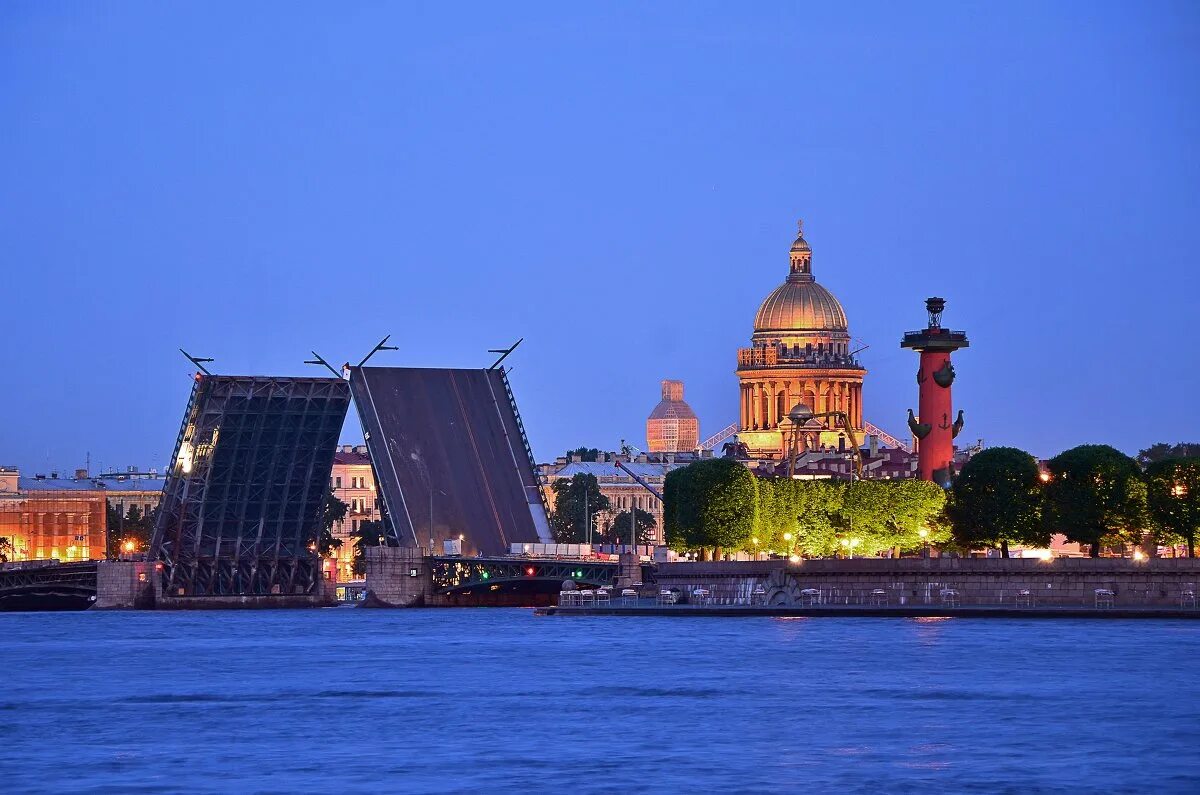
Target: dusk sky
(617, 183)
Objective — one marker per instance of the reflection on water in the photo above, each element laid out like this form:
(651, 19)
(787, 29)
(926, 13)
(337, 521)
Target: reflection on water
(498, 700)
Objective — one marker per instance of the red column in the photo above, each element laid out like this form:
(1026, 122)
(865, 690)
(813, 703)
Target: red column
(936, 450)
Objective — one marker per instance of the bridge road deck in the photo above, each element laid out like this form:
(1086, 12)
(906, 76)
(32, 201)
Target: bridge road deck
(451, 433)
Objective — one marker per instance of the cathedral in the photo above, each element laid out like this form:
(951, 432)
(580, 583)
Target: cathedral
(799, 354)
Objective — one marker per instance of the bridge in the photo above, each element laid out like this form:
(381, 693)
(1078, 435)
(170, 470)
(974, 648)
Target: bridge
(47, 585)
(464, 575)
(406, 577)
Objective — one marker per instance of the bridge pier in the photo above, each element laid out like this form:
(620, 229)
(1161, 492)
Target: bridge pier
(126, 585)
(629, 570)
(397, 577)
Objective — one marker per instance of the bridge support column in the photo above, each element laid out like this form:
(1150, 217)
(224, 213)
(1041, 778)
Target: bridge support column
(629, 570)
(126, 585)
(397, 577)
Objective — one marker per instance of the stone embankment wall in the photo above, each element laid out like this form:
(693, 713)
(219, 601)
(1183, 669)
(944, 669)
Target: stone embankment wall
(129, 585)
(1065, 582)
(397, 577)
(125, 585)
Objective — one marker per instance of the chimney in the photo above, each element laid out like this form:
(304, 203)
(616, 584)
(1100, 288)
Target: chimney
(81, 474)
(873, 443)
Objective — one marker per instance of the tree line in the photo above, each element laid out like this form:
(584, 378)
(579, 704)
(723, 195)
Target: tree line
(1095, 495)
(717, 505)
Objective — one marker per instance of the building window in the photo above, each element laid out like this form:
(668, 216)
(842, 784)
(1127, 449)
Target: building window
(338, 483)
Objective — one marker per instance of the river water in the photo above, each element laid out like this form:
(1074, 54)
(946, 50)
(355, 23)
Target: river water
(500, 700)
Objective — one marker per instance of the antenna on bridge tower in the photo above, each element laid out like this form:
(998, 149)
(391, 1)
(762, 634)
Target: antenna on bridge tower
(381, 346)
(318, 360)
(198, 361)
(504, 352)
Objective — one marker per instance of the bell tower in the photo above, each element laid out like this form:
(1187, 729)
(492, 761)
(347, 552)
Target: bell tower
(935, 428)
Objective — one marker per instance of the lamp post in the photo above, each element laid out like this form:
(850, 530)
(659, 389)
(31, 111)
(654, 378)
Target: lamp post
(788, 538)
(924, 534)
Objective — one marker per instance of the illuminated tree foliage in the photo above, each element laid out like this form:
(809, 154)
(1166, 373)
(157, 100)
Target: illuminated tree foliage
(997, 500)
(757, 515)
(1173, 497)
(711, 504)
(333, 511)
(129, 526)
(1095, 496)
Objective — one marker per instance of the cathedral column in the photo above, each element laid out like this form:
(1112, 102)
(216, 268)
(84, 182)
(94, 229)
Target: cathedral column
(772, 406)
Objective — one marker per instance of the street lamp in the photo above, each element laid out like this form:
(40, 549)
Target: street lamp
(924, 534)
(1045, 477)
(788, 538)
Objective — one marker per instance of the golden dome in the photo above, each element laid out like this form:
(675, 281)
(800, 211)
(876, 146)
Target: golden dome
(800, 304)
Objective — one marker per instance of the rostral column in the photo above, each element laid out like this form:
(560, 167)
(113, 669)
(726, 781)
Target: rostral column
(934, 429)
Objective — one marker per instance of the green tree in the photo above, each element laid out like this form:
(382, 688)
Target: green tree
(1162, 451)
(1095, 495)
(6, 549)
(997, 500)
(712, 503)
(130, 526)
(618, 531)
(1173, 499)
(333, 512)
(584, 453)
(370, 533)
(576, 502)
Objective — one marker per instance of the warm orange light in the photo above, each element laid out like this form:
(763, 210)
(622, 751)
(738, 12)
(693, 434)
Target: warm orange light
(1178, 490)
(1045, 476)
(128, 546)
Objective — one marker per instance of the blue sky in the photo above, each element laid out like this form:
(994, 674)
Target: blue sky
(617, 183)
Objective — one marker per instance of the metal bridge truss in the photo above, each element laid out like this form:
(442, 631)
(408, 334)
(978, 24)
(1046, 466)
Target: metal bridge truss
(458, 574)
(711, 442)
(533, 467)
(241, 508)
(56, 579)
(891, 441)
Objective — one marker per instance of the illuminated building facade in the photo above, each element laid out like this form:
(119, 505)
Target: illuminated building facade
(352, 482)
(799, 353)
(624, 493)
(45, 518)
(672, 426)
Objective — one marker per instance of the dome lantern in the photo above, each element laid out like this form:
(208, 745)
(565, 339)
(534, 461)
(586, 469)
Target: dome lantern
(801, 256)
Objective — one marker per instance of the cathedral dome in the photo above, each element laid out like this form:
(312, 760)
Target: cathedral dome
(800, 304)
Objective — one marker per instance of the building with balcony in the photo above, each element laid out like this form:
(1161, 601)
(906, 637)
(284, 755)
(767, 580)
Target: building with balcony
(353, 482)
(799, 353)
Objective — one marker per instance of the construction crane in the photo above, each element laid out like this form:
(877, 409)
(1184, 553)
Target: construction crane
(628, 449)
